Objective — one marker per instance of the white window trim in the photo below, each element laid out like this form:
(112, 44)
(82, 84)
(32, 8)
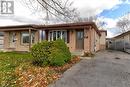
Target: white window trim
(56, 34)
(22, 38)
(61, 35)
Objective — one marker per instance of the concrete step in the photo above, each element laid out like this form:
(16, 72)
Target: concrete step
(77, 53)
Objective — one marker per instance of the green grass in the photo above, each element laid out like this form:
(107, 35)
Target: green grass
(8, 62)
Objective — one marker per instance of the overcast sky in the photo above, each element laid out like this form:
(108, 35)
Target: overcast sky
(108, 10)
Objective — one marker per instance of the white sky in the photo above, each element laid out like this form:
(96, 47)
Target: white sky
(94, 7)
(23, 15)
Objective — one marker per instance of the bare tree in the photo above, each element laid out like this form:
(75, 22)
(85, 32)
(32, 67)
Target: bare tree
(124, 24)
(88, 19)
(100, 23)
(57, 9)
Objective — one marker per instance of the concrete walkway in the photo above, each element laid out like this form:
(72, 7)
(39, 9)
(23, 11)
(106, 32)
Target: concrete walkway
(102, 71)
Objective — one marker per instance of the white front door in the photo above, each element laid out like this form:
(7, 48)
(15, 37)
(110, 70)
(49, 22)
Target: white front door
(12, 40)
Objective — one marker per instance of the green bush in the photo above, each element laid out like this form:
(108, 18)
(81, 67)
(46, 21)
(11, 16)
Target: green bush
(60, 44)
(54, 53)
(57, 58)
(40, 53)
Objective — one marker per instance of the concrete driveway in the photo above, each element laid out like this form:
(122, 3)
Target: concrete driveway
(101, 71)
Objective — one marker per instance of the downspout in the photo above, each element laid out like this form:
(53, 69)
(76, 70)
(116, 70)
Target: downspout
(114, 45)
(100, 42)
(39, 39)
(42, 35)
(94, 42)
(29, 39)
(38, 36)
(123, 43)
(90, 39)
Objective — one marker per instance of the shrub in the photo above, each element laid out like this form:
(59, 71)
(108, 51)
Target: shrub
(40, 53)
(60, 44)
(57, 58)
(50, 53)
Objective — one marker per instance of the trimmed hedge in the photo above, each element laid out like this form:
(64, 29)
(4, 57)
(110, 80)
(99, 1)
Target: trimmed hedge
(55, 53)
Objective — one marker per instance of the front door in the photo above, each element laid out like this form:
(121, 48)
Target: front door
(12, 39)
(80, 40)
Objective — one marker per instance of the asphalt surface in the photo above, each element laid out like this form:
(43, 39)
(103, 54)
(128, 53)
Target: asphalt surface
(106, 69)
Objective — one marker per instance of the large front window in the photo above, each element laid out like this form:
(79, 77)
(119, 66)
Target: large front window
(54, 35)
(25, 37)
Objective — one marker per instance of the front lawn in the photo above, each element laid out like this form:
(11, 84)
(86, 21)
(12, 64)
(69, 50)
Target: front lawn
(17, 70)
(8, 62)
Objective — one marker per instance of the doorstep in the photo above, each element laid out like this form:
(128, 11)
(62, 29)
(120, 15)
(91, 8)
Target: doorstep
(86, 58)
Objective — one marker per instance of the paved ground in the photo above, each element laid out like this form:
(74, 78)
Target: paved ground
(102, 71)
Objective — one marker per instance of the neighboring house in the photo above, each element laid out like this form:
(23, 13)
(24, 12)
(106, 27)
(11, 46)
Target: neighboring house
(103, 39)
(83, 36)
(19, 38)
(109, 43)
(122, 41)
(1, 40)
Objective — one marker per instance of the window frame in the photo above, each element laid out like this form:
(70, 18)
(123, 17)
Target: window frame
(21, 37)
(51, 35)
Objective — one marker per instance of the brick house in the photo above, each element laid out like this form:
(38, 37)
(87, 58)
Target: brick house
(83, 36)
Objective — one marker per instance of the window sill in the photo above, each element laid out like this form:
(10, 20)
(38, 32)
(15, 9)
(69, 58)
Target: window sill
(26, 44)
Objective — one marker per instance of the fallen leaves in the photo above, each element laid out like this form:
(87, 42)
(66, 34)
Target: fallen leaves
(32, 76)
(35, 76)
(62, 69)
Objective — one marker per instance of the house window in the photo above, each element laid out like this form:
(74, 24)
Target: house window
(25, 37)
(64, 36)
(54, 35)
(80, 35)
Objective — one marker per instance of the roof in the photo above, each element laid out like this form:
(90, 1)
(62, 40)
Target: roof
(16, 27)
(109, 39)
(121, 35)
(67, 25)
(104, 31)
(77, 25)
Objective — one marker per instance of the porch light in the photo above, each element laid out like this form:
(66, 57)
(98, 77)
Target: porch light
(86, 37)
